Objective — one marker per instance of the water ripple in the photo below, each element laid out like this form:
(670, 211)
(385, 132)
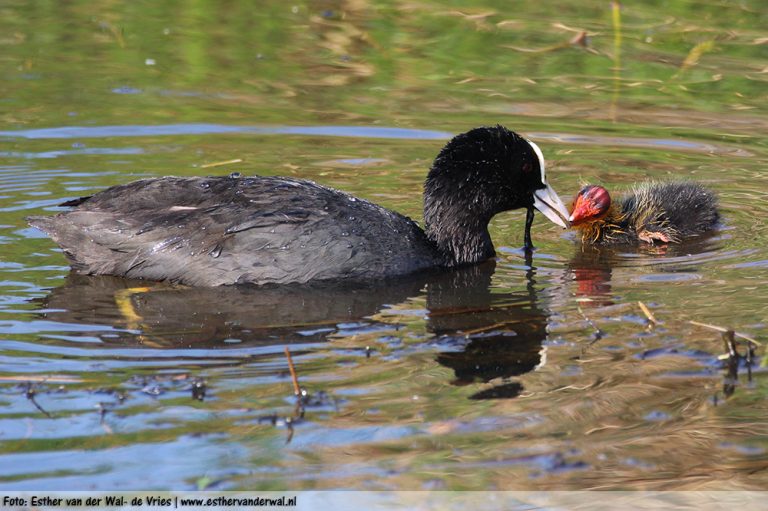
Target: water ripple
(651, 143)
(68, 132)
(217, 129)
(29, 155)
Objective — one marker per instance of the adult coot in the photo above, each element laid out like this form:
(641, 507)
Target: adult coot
(652, 212)
(210, 231)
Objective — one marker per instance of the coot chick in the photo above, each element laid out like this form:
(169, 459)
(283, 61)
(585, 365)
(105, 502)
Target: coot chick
(210, 231)
(664, 212)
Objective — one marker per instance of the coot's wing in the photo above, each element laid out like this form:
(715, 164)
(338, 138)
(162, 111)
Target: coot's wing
(221, 230)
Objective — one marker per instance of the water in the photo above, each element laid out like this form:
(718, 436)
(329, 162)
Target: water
(505, 376)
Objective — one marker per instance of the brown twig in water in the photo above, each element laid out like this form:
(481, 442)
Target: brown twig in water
(296, 388)
(723, 330)
(730, 343)
(648, 314)
(732, 377)
(30, 395)
(450, 311)
(289, 425)
(468, 333)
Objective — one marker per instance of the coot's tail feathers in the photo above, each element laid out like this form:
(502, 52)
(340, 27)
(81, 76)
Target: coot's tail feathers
(83, 253)
(47, 224)
(44, 223)
(74, 202)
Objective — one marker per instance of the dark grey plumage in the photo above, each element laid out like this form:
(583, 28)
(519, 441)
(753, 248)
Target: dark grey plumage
(211, 231)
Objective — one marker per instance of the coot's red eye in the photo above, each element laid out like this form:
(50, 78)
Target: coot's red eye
(527, 167)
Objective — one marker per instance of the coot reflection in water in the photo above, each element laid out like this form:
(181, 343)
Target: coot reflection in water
(500, 335)
(505, 330)
(184, 317)
(483, 336)
(486, 336)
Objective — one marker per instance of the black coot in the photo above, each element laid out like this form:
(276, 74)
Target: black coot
(211, 231)
(662, 212)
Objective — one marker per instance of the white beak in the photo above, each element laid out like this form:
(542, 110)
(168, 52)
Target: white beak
(547, 201)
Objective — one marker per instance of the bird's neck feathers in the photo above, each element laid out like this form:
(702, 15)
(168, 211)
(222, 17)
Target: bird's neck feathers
(605, 227)
(459, 228)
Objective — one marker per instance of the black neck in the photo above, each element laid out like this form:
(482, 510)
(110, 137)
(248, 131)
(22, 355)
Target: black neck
(459, 229)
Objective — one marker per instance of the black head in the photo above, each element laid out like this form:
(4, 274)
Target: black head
(476, 175)
(493, 165)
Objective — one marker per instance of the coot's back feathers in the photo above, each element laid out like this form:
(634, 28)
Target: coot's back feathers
(227, 230)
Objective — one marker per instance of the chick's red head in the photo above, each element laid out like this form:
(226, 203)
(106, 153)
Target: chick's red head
(591, 203)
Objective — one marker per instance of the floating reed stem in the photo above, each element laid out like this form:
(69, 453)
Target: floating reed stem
(220, 163)
(724, 330)
(292, 369)
(648, 313)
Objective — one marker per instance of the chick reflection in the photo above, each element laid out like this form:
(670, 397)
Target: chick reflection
(496, 335)
(174, 317)
(591, 267)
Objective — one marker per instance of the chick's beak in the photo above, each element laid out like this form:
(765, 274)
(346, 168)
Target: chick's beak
(581, 210)
(546, 200)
